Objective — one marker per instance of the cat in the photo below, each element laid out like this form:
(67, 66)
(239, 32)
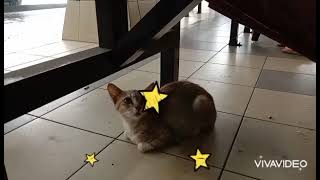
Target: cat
(188, 111)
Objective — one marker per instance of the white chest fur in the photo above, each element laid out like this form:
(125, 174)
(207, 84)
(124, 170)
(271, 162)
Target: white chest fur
(128, 132)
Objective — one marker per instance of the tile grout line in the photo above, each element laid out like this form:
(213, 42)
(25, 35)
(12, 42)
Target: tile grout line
(242, 174)
(41, 57)
(238, 129)
(273, 122)
(114, 139)
(21, 125)
(95, 88)
(62, 103)
(207, 61)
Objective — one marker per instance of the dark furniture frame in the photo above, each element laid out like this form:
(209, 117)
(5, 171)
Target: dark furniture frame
(118, 48)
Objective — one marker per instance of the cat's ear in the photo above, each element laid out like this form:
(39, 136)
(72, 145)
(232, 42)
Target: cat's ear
(114, 92)
(150, 87)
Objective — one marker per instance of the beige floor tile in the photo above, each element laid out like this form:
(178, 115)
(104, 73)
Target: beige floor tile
(76, 50)
(15, 59)
(195, 55)
(94, 112)
(244, 60)
(259, 49)
(218, 143)
(145, 61)
(137, 80)
(31, 63)
(226, 175)
(47, 150)
(69, 97)
(186, 68)
(288, 108)
(291, 65)
(228, 74)
(269, 141)
(17, 122)
(56, 48)
(122, 161)
(228, 97)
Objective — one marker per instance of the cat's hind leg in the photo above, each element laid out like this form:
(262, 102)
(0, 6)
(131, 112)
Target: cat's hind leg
(205, 111)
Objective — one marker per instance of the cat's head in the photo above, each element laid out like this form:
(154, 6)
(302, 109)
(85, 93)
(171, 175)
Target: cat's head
(129, 104)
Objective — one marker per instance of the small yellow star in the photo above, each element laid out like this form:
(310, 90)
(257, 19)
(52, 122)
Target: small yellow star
(153, 98)
(91, 159)
(200, 160)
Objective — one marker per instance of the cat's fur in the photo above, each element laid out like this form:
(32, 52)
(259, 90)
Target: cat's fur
(187, 111)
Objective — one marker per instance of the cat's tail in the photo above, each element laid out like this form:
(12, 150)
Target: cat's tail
(204, 108)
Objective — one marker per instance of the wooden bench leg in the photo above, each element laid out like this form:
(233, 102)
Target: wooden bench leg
(199, 9)
(246, 29)
(233, 41)
(169, 60)
(255, 36)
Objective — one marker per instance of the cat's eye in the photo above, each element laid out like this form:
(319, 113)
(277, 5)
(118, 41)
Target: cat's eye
(127, 100)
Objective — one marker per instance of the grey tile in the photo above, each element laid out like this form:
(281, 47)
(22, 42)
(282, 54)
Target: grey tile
(145, 61)
(260, 50)
(226, 175)
(67, 98)
(269, 141)
(18, 122)
(122, 161)
(282, 107)
(59, 102)
(228, 74)
(287, 82)
(93, 112)
(201, 45)
(228, 98)
(218, 143)
(14, 59)
(46, 150)
(186, 68)
(301, 65)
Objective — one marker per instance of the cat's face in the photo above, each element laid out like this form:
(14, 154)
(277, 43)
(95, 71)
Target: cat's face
(129, 104)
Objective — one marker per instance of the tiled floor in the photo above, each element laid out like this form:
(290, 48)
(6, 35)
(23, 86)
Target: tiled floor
(266, 103)
(25, 45)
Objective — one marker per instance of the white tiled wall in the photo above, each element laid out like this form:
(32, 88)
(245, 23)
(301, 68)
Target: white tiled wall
(81, 22)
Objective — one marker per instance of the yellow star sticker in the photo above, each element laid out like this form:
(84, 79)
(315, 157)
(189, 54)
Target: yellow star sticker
(153, 98)
(91, 159)
(200, 160)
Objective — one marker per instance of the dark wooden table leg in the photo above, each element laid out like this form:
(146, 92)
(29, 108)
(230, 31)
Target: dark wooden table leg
(233, 41)
(246, 30)
(112, 21)
(255, 36)
(169, 68)
(199, 9)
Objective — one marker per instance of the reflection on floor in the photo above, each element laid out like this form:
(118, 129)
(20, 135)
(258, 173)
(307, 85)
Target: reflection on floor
(266, 102)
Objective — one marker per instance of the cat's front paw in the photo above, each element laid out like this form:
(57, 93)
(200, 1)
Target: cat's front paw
(125, 134)
(145, 147)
